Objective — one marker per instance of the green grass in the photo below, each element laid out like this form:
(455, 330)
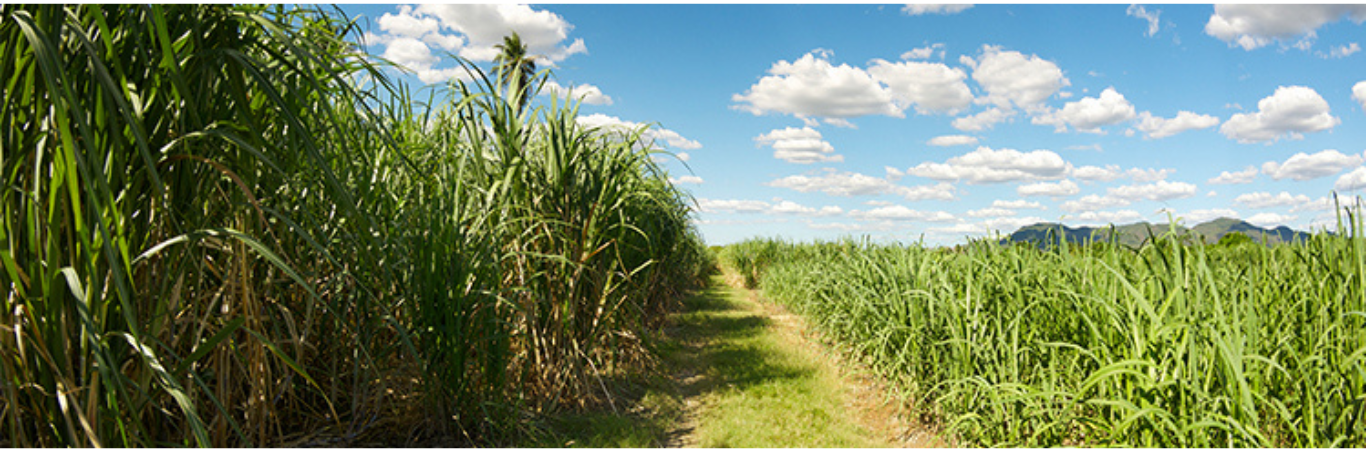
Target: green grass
(758, 389)
(225, 225)
(1171, 345)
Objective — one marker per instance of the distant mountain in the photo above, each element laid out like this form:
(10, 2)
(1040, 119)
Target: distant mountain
(1138, 233)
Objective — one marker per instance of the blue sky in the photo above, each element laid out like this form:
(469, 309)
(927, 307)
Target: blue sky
(948, 121)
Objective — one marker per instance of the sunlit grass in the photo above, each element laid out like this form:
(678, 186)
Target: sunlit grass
(1169, 345)
(214, 235)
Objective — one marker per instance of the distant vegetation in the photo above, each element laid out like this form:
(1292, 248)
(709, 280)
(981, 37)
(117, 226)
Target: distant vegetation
(1172, 344)
(224, 226)
(1137, 234)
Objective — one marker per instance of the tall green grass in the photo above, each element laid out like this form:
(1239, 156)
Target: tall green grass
(1169, 345)
(224, 225)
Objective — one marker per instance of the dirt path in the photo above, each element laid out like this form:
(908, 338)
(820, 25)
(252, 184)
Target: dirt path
(751, 374)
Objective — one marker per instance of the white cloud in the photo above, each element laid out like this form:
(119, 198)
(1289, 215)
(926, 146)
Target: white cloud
(916, 9)
(1324, 203)
(1152, 17)
(953, 140)
(731, 205)
(1303, 166)
(656, 134)
(543, 32)
(1268, 219)
(1011, 78)
(942, 191)
(983, 120)
(1262, 200)
(1352, 181)
(1241, 177)
(784, 207)
(1055, 189)
(920, 53)
(1094, 202)
(802, 145)
(856, 184)
(991, 212)
(1157, 191)
(1198, 216)
(471, 31)
(1342, 51)
(985, 165)
(1290, 111)
(683, 156)
(1253, 26)
(1090, 113)
(1017, 204)
(1106, 217)
(1009, 224)
(902, 213)
(931, 87)
(811, 87)
(686, 179)
(589, 94)
(1148, 175)
(1359, 93)
(1089, 173)
(1159, 127)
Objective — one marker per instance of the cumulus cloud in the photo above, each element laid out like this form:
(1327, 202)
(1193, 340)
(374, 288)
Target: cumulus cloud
(777, 207)
(1202, 215)
(784, 207)
(983, 120)
(931, 87)
(916, 9)
(1262, 200)
(802, 145)
(1159, 127)
(1013, 78)
(1289, 112)
(543, 32)
(1157, 191)
(953, 140)
(920, 53)
(1254, 26)
(1240, 177)
(1017, 204)
(902, 213)
(985, 166)
(1359, 93)
(1054, 189)
(655, 134)
(1142, 13)
(1352, 181)
(1342, 51)
(1324, 203)
(470, 31)
(731, 205)
(811, 87)
(991, 212)
(1303, 166)
(1094, 202)
(1096, 173)
(1090, 113)
(1269, 219)
(686, 179)
(586, 93)
(1106, 217)
(856, 184)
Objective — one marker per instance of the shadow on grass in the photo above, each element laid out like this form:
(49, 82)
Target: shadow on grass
(714, 343)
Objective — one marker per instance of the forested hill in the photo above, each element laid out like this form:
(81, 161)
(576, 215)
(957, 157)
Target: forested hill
(1135, 234)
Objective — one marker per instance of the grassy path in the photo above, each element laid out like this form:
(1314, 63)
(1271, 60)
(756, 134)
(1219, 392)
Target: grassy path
(751, 377)
(743, 374)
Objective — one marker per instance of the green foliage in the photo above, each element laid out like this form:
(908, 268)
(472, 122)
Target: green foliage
(214, 234)
(1171, 346)
(1234, 239)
